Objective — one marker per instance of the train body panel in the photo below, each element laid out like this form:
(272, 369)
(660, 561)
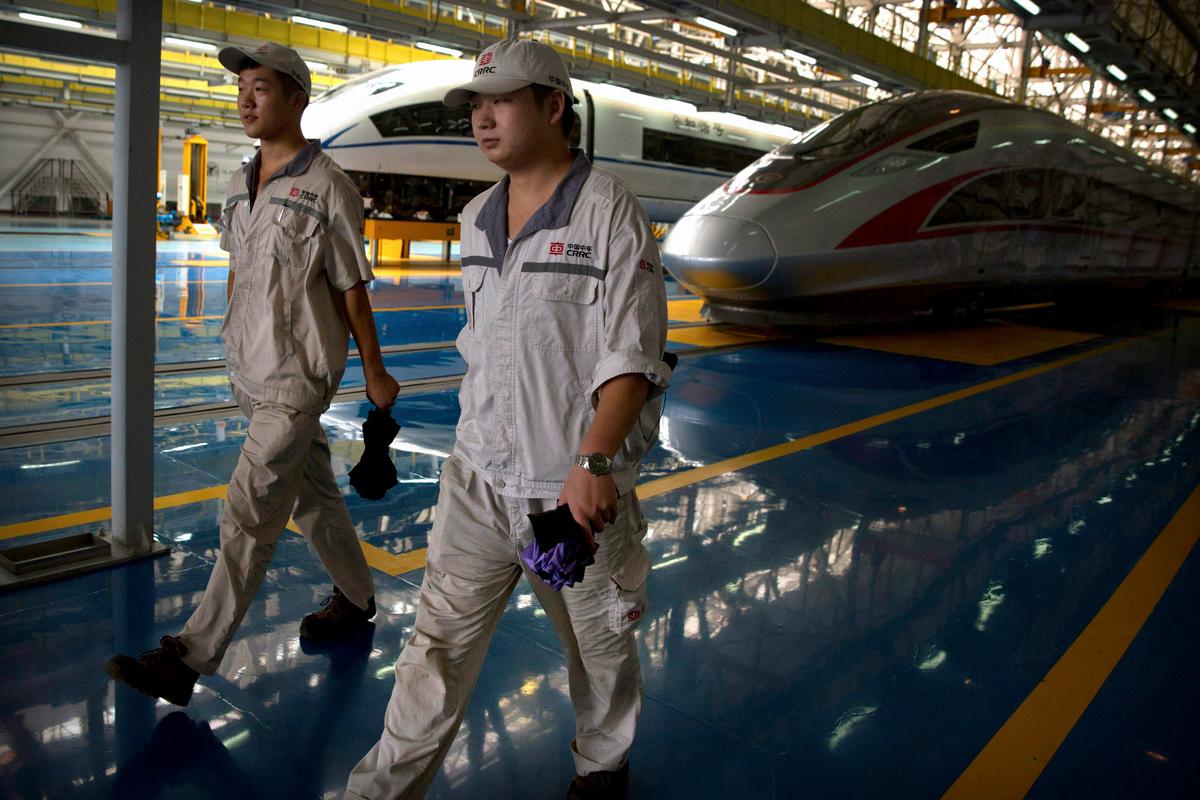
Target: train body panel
(389, 126)
(942, 197)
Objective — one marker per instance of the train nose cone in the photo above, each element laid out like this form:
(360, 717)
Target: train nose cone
(713, 254)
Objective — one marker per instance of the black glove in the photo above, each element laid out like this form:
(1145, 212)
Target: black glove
(375, 473)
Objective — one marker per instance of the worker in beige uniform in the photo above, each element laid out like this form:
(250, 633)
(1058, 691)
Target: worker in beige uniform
(296, 290)
(566, 325)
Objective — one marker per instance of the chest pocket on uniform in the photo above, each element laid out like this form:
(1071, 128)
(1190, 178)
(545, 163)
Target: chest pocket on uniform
(564, 313)
(472, 279)
(292, 236)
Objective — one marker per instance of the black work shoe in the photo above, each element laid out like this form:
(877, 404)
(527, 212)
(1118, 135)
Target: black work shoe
(337, 617)
(600, 785)
(158, 673)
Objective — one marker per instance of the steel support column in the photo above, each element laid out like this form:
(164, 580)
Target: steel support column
(135, 131)
(1026, 56)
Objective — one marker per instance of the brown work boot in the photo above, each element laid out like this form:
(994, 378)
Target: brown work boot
(600, 785)
(337, 617)
(158, 673)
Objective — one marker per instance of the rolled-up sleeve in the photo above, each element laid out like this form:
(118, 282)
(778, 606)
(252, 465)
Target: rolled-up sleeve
(635, 305)
(225, 224)
(345, 257)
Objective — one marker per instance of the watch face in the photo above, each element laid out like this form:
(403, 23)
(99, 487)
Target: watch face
(595, 463)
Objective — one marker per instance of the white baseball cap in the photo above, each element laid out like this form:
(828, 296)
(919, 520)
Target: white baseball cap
(276, 56)
(513, 64)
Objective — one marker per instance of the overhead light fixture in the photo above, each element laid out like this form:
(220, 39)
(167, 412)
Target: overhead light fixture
(1030, 6)
(716, 26)
(1078, 43)
(316, 66)
(437, 48)
(1169, 113)
(1116, 72)
(63, 23)
(1147, 95)
(320, 23)
(1190, 128)
(797, 55)
(864, 80)
(175, 41)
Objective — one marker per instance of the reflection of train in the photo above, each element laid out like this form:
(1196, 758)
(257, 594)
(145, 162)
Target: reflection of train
(937, 200)
(415, 158)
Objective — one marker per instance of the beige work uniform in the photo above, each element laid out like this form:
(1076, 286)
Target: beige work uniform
(293, 249)
(576, 300)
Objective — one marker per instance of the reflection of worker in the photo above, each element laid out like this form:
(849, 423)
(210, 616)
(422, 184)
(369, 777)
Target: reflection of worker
(566, 324)
(292, 226)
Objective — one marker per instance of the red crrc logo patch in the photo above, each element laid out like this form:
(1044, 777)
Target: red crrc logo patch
(635, 615)
(295, 192)
(557, 248)
(486, 58)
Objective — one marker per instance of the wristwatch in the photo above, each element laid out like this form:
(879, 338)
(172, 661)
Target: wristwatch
(595, 463)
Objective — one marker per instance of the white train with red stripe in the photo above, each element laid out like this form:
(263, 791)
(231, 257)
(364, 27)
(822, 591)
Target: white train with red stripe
(933, 200)
(415, 158)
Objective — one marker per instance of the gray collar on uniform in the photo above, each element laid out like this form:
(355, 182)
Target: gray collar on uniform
(554, 213)
(297, 166)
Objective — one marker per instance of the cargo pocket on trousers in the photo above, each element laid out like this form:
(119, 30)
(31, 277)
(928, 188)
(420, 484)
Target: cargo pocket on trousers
(629, 581)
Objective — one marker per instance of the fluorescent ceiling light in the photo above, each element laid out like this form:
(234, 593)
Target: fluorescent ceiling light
(1190, 128)
(437, 48)
(796, 54)
(316, 66)
(1147, 95)
(1116, 72)
(1169, 113)
(1030, 6)
(716, 26)
(65, 23)
(188, 43)
(864, 80)
(320, 23)
(1079, 44)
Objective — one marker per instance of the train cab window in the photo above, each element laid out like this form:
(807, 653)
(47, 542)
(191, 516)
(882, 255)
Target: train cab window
(692, 151)
(423, 119)
(951, 140)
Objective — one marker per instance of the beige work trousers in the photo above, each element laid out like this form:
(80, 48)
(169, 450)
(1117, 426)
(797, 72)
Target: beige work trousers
(473, 566)
(284, 471)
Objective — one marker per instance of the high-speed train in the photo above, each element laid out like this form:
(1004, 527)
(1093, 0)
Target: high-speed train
(936, 201)
(415, 158)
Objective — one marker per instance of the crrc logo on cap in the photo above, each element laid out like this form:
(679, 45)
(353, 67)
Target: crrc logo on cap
(486, 58)
(262, 50)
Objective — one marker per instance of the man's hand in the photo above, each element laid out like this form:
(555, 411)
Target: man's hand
(382, 389)
(593, 500)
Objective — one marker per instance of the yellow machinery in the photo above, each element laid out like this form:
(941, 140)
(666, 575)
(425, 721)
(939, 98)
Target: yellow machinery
(160, 203)
(193, 184)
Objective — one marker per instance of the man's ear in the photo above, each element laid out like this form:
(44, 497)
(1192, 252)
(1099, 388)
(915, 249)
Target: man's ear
(558, 107)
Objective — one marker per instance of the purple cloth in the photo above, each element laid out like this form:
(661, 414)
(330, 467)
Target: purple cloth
(559, 551)
(561, 565)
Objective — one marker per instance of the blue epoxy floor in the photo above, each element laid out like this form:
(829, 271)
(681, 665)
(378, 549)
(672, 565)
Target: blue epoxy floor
(851, 621)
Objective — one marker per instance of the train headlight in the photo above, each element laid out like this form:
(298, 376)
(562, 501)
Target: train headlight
(893, 162)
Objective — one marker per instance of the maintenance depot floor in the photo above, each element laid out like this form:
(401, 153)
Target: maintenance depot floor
(899, 563)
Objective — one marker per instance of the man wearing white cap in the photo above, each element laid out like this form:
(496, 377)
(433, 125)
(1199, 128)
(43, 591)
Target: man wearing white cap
(297, 271)
(566, 324)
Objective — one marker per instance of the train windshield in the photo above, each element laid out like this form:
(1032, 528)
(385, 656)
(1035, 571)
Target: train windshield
(846, 138)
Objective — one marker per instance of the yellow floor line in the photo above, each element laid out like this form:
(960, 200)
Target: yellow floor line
(380, 559)
(1012, 761)
(101, 514)
(986, 344)
(673, 482)
(685, 310)
(710, 336)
